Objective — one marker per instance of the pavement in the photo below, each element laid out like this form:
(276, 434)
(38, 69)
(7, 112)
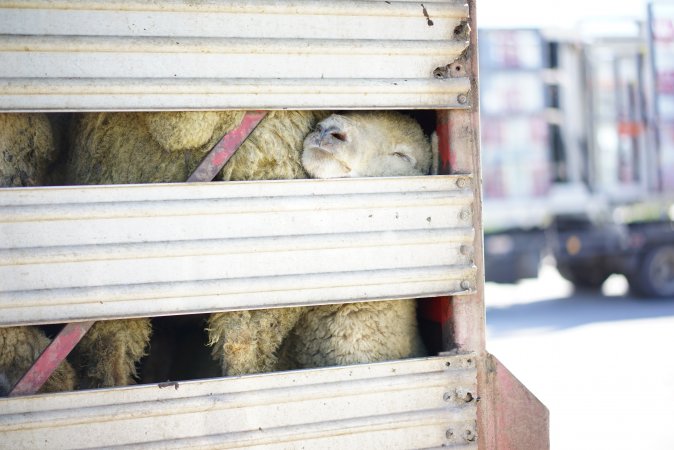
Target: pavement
(602, 362)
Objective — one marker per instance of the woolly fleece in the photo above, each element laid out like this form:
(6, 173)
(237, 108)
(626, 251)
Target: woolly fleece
(27, 150)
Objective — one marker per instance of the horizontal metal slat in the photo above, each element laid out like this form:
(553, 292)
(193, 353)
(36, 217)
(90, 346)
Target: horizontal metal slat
(96, 252)
(259, 19)
(132, 55)
(405, 404)
(108, 94)
(238, 225)
(215, 66)
(72, 195)
(203, 247)
(143, 270)
(225, 46)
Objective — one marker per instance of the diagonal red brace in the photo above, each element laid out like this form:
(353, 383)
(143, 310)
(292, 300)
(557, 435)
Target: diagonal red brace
(225, 149)
(50, 358)
(72, 333)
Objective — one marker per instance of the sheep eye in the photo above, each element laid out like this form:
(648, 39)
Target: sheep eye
(339, 136)
(403, 156)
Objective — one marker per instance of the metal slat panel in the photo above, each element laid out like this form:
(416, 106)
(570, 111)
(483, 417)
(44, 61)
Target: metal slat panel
(405, 404)
(306, 19)
(80, 253)
(126, 54)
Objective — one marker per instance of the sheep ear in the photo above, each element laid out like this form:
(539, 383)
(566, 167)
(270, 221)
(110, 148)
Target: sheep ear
(405, 152)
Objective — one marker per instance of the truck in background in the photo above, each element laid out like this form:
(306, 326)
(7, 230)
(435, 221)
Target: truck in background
(530, 173)
(603, 204)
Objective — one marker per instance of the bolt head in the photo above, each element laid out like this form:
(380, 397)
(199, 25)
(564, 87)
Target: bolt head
(465, 284)
(462, 99)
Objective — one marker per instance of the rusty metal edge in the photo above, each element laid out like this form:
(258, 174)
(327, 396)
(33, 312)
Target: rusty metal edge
(510, 417)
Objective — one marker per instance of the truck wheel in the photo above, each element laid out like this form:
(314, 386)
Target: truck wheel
(655, 275)
(582, 276)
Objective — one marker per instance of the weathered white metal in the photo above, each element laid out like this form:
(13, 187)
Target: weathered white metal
(79, 253)
(174, 54)
(419, 403)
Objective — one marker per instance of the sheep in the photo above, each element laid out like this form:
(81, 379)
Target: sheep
(159, 147)
(155, 147)
(359, 145)
(351, 145)
(27, 151)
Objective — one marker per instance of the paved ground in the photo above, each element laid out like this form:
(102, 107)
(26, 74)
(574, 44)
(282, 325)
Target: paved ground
(602, 363)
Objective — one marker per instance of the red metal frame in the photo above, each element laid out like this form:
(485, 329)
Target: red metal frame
(72, 333)
(512, 417)
(50, 358)
(438, 312)
(226, 147)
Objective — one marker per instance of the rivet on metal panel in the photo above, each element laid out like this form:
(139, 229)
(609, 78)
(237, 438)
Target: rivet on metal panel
(465, 284)
(465, 214)
(469, 436)
(462, 98)
(447, 396)
(457, 69)
(441, 72)
(466, 250)
(461, 183)
(462, 29)
(449, 433)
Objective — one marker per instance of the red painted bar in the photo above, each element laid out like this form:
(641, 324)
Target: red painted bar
(443, 130)
(50, 358)
(438, 312)
(226, 147)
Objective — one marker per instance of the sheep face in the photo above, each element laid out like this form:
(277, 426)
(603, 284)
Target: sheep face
(366, 145)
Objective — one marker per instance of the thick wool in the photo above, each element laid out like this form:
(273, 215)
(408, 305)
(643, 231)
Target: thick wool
(353, 333)
(108, 353)
(19, 348)
(247, 342)
(122, 148)
(111, 148)
(27, 150)
(359, 144)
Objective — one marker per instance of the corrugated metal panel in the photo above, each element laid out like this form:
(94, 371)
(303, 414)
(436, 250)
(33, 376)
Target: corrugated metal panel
(176, 54)
(78, 253)
(406, 404)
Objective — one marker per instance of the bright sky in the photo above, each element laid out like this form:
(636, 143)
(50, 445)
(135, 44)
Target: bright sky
(554, 14)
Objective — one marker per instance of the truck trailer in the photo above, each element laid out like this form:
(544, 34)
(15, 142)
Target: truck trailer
(74, 255)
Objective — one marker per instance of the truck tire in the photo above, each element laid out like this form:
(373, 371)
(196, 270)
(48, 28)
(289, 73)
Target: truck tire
(654, 277)
(583, 276)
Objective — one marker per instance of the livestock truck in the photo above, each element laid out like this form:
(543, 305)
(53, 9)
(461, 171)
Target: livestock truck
(72, 255)
(605, 205)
